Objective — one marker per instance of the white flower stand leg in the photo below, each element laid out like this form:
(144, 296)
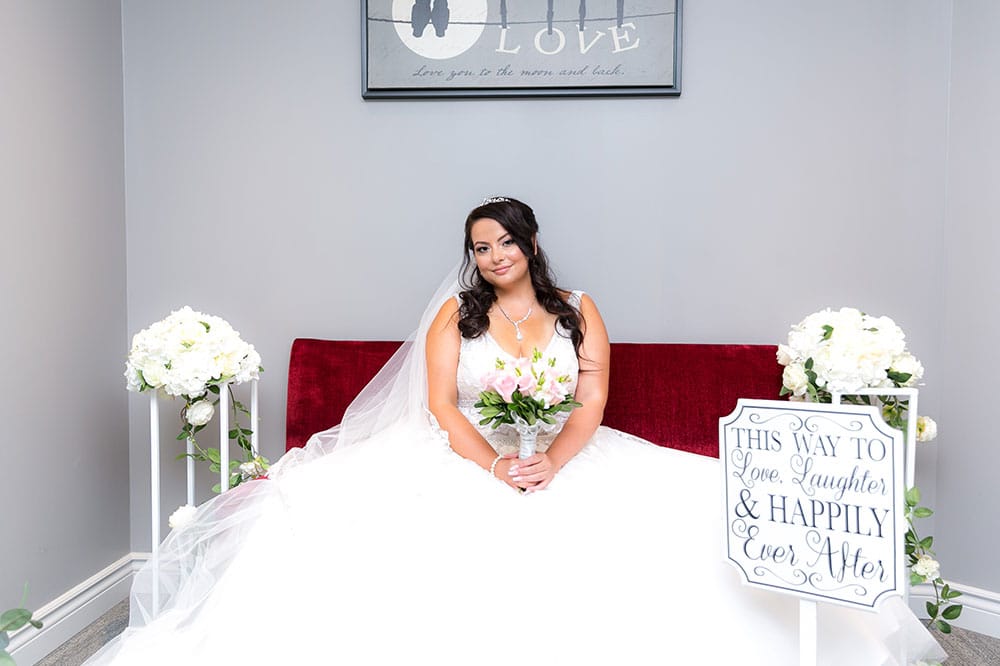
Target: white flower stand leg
(154, 468)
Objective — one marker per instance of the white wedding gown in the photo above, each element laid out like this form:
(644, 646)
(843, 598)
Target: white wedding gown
(398, 551)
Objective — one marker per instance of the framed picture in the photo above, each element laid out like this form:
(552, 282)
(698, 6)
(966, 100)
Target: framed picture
(520, 48)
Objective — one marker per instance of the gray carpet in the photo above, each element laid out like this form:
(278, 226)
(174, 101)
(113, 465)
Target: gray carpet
(965, 648)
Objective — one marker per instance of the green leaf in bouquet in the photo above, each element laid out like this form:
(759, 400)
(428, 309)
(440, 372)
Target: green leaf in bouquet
(808, 364)
(916, 579)
(213, 455)
(217, 487)
(949, 593)
(943, 626)
(246, 431)
(927, 542)
(182, 435)
(784, 391)
(234, 433)
(952, 612)
(827, 332)
(932, 609)
(486, 420)
(548, 419)
(213, 388)
(923, 512)
(913, 496)
(215, 467)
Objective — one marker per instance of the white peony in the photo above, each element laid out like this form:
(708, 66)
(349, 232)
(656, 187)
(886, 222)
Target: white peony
(926, 429)
(181, 517)
(794, 379)
(200, 413)
(927, 567)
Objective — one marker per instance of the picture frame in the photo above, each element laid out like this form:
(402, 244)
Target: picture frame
(520, 48)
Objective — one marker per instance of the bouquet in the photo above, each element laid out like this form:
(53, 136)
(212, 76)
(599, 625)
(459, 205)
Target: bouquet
(847, 350)
(190, 355)
(525, 393)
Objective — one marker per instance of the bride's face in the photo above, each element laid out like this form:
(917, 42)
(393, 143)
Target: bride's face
(499, 259)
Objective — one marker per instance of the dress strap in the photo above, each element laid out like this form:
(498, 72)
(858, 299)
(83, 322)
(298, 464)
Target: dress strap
(575, 297)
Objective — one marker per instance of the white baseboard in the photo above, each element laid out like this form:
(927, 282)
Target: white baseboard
(64, 617)
(981, 612)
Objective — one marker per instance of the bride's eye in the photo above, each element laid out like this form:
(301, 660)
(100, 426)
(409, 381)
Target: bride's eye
(508, 242)
(482, 248)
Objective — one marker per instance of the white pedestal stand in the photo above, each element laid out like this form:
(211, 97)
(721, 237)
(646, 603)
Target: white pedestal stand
(154, 467)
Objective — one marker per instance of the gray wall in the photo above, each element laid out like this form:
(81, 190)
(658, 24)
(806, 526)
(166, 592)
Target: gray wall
(64, 442)
(968, 521)
(803, 167)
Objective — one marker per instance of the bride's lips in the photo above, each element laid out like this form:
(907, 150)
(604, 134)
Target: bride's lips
(502, 270)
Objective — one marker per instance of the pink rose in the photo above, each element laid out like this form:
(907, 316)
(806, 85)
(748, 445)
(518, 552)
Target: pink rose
(505, 384)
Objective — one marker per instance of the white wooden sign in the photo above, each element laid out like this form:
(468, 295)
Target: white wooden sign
(814, 500)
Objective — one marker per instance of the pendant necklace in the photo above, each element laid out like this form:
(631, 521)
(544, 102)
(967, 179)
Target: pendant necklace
(517, 324)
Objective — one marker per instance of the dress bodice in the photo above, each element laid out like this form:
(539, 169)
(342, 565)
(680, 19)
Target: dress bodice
(478, 356)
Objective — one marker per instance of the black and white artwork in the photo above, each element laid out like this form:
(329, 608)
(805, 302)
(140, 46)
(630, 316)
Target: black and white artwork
(492, 48)
(814, 500)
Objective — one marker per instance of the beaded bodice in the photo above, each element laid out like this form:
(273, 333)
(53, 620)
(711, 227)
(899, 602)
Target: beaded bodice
(479, 355)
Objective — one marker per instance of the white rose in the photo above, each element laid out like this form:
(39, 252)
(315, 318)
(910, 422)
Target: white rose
(154, 372)
(785, 355)
(926, 429)
(794, 378)
(200, 413)
(181, 517)
(908, 364)
(251, 469)
(927, 567)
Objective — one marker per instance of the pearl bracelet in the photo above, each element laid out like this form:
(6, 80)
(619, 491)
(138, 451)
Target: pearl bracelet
(493, 467)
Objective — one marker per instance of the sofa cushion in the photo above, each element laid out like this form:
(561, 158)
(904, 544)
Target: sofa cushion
(669, 394)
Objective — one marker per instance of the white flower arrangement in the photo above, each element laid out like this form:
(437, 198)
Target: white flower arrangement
(842, 351)
(190, 355)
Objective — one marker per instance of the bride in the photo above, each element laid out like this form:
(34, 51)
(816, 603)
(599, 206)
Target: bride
(400, 535)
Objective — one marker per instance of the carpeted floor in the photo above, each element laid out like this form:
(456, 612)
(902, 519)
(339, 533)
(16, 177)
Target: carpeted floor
(965, 648)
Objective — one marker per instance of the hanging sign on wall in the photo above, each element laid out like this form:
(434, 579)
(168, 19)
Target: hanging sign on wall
(814, 500)
(495, 48)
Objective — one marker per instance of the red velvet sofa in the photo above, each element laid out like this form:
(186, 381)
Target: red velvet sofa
(669, 394)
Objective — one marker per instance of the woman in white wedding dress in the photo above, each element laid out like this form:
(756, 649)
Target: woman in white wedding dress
(377, 544)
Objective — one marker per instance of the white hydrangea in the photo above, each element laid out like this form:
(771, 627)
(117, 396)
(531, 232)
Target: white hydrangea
(187, 351)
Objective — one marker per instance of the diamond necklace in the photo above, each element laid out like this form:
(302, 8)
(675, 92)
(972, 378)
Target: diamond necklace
(517, 324)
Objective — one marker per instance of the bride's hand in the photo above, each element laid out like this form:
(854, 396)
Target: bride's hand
(533, 473)
(502, 471)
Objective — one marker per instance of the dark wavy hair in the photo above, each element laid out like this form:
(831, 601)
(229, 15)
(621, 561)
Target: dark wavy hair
(478, 295)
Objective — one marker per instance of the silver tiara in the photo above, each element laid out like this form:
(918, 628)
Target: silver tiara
(491, 200)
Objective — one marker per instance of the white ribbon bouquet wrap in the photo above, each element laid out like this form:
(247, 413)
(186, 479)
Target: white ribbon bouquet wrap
(525, 393)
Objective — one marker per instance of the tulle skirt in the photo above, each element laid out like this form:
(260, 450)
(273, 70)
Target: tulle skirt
(399, 551)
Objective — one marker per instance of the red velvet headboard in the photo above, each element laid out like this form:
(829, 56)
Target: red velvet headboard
(670, 394)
